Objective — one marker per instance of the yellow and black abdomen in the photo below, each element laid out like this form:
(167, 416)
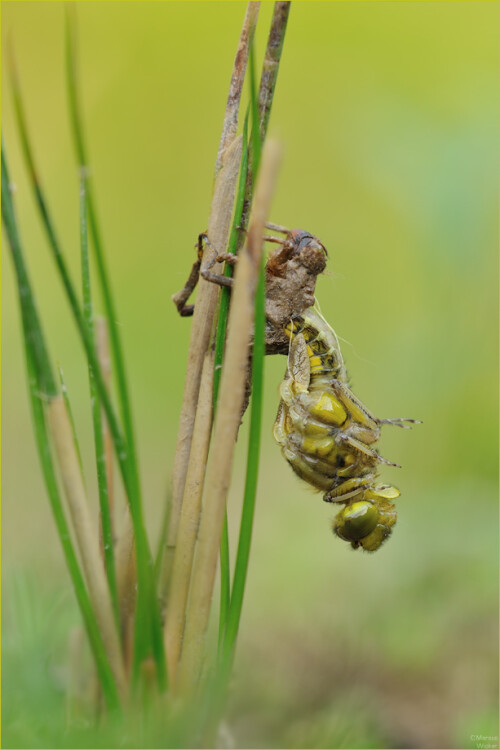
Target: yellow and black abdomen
(327, 435)
(325, 358)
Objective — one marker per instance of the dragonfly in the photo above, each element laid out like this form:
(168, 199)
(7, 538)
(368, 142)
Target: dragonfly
(327, 435)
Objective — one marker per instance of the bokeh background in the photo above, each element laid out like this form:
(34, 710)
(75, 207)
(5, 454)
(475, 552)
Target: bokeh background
(388, 115)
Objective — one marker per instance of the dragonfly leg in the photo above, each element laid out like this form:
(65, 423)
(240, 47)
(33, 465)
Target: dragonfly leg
(361, 448)
(180, 298)
(208, 264)
(203, 269)
(403, 422)
(277, 228)
(347, 490)
(356, 408)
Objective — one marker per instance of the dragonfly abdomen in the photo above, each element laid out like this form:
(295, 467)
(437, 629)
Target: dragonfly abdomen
(325, 358)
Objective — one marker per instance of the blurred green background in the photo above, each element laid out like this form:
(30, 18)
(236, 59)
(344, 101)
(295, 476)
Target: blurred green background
(388, 115)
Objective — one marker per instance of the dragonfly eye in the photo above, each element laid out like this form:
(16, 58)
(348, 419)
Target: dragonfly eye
(312, 252)
(313, 255)
(356, 521)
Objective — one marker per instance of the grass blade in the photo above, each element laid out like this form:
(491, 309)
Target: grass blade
(48, 225)
(39, 374)
(148, 631)
(225, 297)
(33, 332)
(116, 347)
(100, 452)
(258, 351)
(252, 472)
(260, 118)
(225, 579)
(220, 340)
(267, 88)
(143, 629)
(272, 61)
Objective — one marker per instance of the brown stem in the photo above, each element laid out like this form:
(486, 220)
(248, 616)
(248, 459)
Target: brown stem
(189, 521)
(230, 124)
(102, 339)
(126, 583)
(226, 426)
(206, 303)
(227, 168)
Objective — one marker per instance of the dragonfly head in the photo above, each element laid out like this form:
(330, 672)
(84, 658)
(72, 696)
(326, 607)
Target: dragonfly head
(312, 253)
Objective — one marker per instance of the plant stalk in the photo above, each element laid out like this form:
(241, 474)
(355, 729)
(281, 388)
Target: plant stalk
(189, 521)
(226, 426)
(226, 176)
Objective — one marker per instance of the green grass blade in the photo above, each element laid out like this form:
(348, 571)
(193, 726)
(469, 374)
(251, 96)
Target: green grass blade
(218, 686)
(121, 448)
(100, 453)
(271, 66)
(37, 380)
(246, 526)
(258, 352)
(118, 440)
(225, 580)
(256, 138)
(148, 631)
(268, 80)
(220, 339)
(116, 347)
(31, 323)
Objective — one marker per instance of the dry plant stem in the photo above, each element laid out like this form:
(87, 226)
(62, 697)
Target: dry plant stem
(230, 124)
(206, 303)
(227, 422)
(126, 582)
(87, 539)
(190, 516)
(226, 176)
(125, 564)
(125, 560)
(102, 341)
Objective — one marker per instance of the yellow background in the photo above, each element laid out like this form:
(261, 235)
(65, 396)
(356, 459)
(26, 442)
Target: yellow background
(388, 115)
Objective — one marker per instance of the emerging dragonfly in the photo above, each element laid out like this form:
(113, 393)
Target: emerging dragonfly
(326, 434)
